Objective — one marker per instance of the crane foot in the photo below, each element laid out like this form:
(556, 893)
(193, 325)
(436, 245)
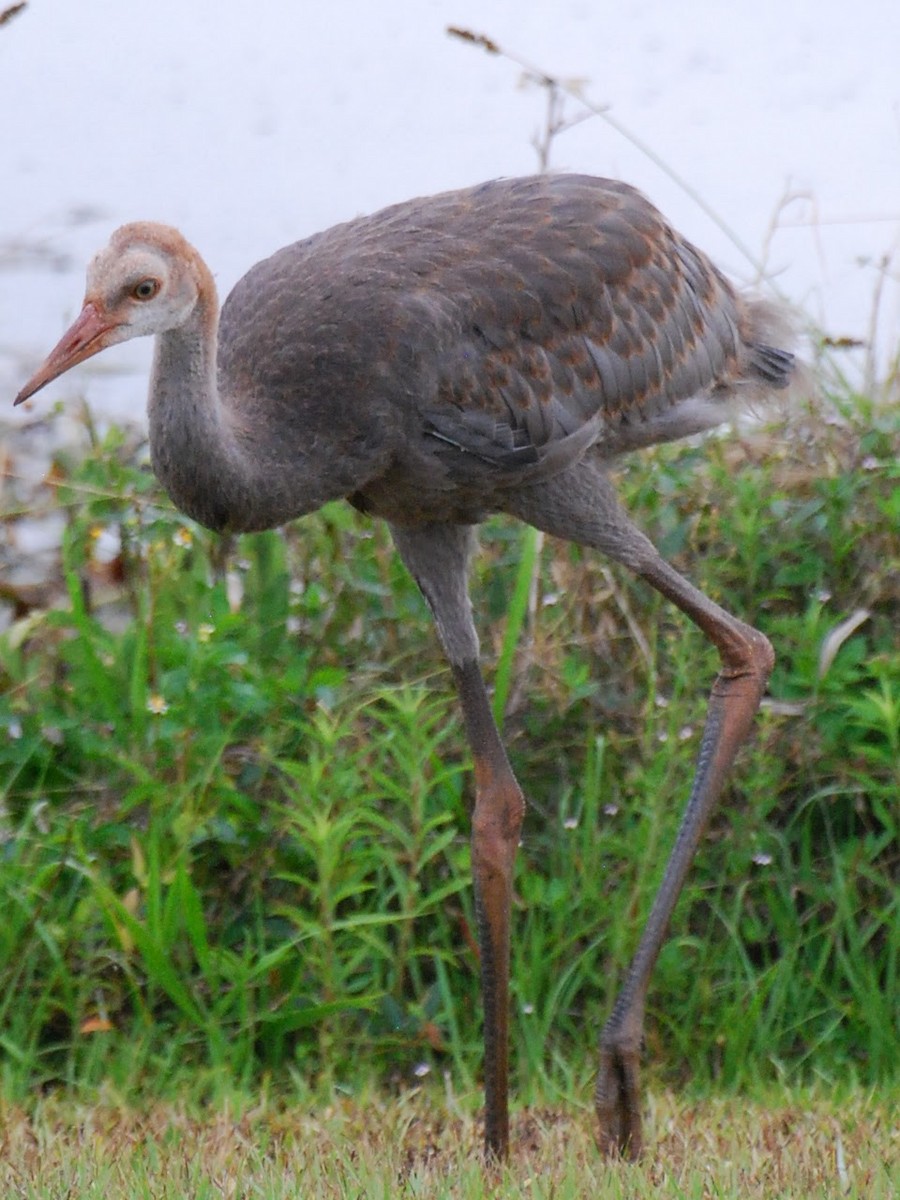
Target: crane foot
(617, 1101)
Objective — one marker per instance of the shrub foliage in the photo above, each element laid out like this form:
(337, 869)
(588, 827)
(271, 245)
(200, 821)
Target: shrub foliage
(235, 788)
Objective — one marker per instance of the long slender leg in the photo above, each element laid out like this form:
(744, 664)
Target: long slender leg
(582, 507)
(496, 824)
(747, 660)
(437, 557)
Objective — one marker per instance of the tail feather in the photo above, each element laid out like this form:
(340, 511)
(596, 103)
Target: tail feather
(773, 365)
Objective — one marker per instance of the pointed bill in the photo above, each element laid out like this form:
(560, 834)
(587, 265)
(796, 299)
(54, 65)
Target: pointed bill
(87, 336)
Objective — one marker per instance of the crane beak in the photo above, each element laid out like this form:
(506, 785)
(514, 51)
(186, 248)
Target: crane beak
(92, 332)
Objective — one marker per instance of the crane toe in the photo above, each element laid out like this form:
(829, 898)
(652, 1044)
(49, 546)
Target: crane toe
(617, 1102)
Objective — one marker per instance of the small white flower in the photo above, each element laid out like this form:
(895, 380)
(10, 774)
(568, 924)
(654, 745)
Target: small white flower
(570, 823)
(205, 631)
(611, 810)
(183, 536)
(527, 1009)
(420, 1070)
(762, 860)
(157, 705)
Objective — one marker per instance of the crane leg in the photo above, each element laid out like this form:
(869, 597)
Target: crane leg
(747, 660)
(496, 824)
(580, 506)
(437, 557)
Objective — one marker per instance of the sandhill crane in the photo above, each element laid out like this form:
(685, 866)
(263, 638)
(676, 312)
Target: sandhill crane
(481, 351)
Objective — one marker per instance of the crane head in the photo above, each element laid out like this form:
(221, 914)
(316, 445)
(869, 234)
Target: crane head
(146, 281)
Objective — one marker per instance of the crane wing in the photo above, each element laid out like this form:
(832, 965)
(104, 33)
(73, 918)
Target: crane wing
(579, 318)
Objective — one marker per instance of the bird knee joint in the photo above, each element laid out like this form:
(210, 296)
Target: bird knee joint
(750, 654)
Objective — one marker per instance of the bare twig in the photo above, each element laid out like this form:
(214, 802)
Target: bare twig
(555, 122)
(788, 198)
(13, 10)
(870, 373)
(476, 39)
(575, 92)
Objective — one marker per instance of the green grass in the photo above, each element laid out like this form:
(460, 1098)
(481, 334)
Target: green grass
(235, 792)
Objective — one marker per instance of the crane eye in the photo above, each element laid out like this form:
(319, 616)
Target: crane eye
(146, 289)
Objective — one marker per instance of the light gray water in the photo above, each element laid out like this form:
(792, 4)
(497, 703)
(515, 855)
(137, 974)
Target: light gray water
(252, 124)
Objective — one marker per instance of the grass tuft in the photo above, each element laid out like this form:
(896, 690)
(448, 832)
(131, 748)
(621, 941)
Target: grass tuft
(420, 1145)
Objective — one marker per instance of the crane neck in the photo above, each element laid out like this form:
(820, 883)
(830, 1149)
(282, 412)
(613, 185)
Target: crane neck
(239, 447)
(193, 448)
(223, 452)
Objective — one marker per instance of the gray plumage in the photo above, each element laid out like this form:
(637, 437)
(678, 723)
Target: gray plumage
(449, 349)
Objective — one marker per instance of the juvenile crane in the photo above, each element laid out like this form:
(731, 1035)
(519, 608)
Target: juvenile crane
(483, 351)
